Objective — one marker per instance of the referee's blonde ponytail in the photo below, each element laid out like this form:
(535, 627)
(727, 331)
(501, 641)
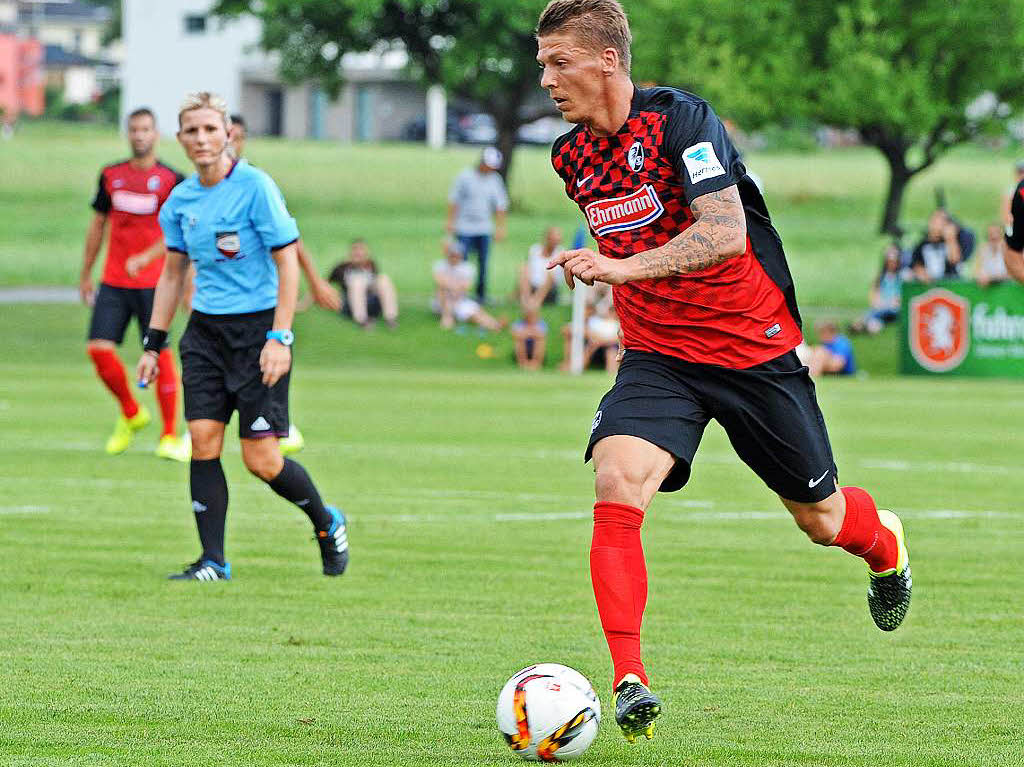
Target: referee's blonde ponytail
(205, 100)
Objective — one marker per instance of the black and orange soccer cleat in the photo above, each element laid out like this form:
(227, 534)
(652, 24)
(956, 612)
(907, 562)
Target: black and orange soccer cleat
(334, 544)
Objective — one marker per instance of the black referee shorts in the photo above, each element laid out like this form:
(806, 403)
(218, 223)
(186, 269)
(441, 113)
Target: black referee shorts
(114, 309)
(220, 373)
(769, 411)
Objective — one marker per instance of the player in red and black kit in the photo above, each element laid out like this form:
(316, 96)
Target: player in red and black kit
(129, 197)
(709, 322)
(1013, 255)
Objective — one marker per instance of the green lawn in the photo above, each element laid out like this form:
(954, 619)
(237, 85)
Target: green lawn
(826, 205)
(469, 507)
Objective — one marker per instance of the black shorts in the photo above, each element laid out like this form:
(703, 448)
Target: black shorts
(114, 309)
(220, 373)
(769, 411)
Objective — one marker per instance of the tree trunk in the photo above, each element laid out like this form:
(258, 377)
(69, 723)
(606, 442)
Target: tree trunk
(894, 148)
(899, 177)
(506, 141)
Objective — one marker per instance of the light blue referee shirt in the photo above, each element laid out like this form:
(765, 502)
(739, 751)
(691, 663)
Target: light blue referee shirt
(228, 231)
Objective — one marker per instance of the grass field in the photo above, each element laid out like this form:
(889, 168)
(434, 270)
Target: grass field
(469, 512)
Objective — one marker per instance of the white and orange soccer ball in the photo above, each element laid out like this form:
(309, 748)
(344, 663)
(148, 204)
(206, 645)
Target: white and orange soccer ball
(548, 713)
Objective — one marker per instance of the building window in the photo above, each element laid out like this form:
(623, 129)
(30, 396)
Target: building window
(195, 24)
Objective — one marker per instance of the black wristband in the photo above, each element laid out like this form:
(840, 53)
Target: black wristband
(155, 340)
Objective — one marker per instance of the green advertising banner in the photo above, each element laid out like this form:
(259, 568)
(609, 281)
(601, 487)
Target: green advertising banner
(959, 328)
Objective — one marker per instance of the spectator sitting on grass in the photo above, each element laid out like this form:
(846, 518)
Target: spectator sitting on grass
(453, 277)
(531, 336)
(366, 292)
(600, 331)
(537, 284)
(884, 298)
(990, 268)
(938, 255)
(834, 355)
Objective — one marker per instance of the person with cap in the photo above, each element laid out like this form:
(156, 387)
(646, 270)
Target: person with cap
(477, 207)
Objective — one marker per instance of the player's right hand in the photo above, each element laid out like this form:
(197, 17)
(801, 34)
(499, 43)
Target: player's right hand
(86, 291)
(146, 370)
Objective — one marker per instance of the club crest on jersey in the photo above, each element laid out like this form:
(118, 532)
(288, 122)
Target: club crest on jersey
(229, 243)
(617, 214)
(636, 156)
(153, 183)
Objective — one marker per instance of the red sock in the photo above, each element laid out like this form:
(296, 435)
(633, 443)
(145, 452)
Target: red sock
(111, 372)
(863, 535)
(619, 576)
(167, 391)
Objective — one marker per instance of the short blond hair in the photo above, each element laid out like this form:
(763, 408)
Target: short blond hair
(204, 100)
(598, 24)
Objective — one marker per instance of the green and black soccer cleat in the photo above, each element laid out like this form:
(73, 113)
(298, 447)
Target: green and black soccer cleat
(889, 592)
(636, 708)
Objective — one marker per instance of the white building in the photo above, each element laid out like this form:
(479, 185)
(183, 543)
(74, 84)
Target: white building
(172, 47)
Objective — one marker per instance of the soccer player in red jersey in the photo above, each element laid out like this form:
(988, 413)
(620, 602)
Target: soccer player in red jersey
(320, 290)
(128, 198)
(709, 321)
(1013, 254)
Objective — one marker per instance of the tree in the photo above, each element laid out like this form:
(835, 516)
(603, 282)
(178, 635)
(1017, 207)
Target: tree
(484, 52)
(914, 78)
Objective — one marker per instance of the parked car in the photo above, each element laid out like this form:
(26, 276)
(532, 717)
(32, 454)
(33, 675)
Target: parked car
(478, 128)
(543, 131)
(416, 130)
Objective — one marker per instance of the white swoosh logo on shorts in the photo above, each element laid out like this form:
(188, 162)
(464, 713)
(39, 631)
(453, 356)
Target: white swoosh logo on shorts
(816, 482)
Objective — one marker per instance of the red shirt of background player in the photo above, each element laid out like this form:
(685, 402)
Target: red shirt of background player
(131, 198)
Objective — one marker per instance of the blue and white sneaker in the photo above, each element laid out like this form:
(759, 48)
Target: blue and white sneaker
(203, 570)
(334, 544)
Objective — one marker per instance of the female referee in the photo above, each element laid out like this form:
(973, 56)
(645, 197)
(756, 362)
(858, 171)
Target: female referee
(230, 220)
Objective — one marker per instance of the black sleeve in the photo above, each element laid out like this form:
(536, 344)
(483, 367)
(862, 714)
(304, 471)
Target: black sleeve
(701, 151)
(1015, 236)
(917, 257)
(101, 202)
(337, 274)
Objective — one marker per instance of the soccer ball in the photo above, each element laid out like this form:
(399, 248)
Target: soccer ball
(548, 713)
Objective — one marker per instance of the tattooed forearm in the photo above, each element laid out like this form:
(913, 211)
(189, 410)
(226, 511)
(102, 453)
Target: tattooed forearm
(718, 233)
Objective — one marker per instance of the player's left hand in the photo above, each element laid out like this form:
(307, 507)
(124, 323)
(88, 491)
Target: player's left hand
(275, 360)
(589, 267)
(135, 264)
(325, 296)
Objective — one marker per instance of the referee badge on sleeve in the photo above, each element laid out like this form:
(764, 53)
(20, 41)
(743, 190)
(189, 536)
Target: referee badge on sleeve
(229, 243)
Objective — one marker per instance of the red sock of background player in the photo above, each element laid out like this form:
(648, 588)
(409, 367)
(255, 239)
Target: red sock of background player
(111, 372)
(619, 576)
(863, 535)
(167, 391)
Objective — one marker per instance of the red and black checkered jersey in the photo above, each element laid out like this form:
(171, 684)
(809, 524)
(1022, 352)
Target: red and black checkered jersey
(1015, 234)
(131, 198)
(635, 188)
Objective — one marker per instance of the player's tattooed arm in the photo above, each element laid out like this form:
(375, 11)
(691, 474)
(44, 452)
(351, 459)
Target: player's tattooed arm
(719, 232)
